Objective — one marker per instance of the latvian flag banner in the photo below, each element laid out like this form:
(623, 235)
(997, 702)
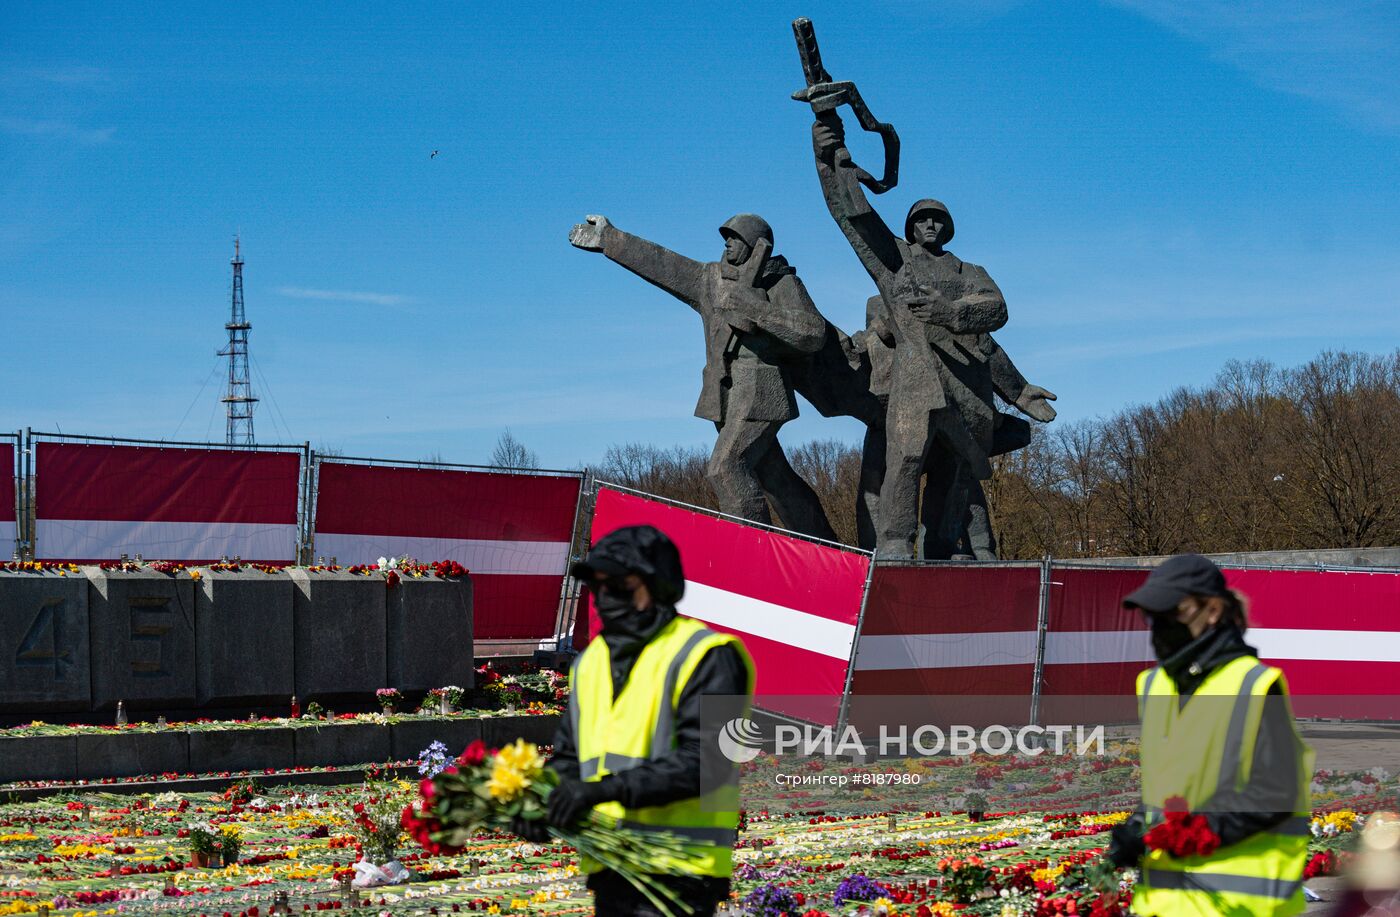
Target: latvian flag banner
(794, 603)
(97, 502)
(511, 531)
(8, 530)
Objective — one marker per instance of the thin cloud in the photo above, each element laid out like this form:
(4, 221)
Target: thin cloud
(1343, 53)
(358, 296)
(57, 130)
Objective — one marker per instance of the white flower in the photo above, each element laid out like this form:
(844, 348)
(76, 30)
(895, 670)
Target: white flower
(382, 563)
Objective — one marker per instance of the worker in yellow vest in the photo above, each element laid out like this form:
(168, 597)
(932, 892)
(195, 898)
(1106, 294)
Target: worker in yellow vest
(633, 743)
(1223, 827)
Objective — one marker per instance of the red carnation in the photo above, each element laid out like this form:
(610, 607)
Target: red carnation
(475, 753)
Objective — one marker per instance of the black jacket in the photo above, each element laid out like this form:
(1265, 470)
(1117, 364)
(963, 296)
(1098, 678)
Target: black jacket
(1272, 794)
(676, 775)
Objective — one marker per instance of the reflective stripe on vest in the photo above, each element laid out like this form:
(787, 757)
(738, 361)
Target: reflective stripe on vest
(1283, 889)
(700, 835)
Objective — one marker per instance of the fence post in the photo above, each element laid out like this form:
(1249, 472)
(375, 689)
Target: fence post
(1041, 626)
(31, 527)
(20, 492)
(307, 534)
(845, 708)
(578, 543)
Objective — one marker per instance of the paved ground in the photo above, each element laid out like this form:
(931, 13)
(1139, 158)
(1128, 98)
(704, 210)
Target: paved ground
(1329, 887)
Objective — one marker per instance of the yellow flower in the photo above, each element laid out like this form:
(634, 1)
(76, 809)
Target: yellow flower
(494, 909)
(195, 574)
(505, 784)
(522, 757)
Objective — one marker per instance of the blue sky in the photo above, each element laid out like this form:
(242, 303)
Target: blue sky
(1157, 187)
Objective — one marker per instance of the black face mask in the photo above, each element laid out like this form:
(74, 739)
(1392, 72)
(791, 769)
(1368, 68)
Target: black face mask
(1169, 636)
(613, 607)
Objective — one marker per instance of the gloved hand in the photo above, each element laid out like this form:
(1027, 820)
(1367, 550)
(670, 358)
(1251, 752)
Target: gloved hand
(1126, 846)
(571, 800)
(534, 830)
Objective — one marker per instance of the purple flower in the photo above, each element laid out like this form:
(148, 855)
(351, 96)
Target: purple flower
(858, 888)
(770, 901)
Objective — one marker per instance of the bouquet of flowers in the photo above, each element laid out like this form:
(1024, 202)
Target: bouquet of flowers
(486, 790)
(376, 821)
(964, 879)
(1182, 834)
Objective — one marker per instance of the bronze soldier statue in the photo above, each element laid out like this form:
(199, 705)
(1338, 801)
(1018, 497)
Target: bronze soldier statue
(760, 324)
(950, 528)
(938, 313)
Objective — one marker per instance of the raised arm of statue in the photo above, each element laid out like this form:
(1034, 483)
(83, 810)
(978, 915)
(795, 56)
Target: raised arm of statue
(1031, 400)
(678, 275)
(871, 239)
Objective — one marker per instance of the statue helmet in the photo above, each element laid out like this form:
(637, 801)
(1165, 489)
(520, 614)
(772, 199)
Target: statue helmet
(747, 226)
(929, 205)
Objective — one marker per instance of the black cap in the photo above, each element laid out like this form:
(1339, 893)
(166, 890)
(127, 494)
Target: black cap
(640, 549)
(1177, 578)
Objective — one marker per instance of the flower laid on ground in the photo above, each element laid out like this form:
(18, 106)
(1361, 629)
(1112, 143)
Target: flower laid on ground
(1322, 863)
(243, 791)
(45, 566)
(771, 901)
(962, 880)
(1333, 823)
(858, 888)
(446, 568)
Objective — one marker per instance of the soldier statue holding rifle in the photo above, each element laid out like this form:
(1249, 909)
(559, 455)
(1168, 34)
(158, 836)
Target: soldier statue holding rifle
(937, 313)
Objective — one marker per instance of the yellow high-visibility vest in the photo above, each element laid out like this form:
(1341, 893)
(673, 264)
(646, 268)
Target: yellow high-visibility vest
(1204, 752)
(615, 735)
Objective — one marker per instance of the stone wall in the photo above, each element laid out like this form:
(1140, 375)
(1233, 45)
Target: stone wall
(81, 642)
(171, 750)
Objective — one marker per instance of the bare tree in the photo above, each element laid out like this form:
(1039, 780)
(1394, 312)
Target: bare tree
(1344, 430)
(1261, 459)
(677, 473)
(833, 470)
(510, 452)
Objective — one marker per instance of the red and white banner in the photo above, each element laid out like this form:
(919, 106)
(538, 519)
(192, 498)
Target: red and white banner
(8, 528)
(1335, 635)
(947, 630)
(971, 631)
(511, 531)
(95, 502)
(794, 603)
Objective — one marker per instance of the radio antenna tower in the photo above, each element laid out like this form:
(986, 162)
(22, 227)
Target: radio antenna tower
(239, 399)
